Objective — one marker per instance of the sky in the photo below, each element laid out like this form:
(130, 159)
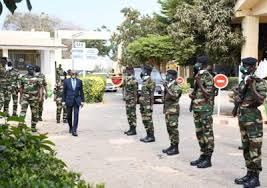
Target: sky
(88, 14)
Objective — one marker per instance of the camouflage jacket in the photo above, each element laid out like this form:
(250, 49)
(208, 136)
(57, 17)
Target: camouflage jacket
(42, 79)
(201, 104)
(59, 72)
(147, 90)
(58, 91)
(249, 100)
(13, 78)
(130, 88)
(31, 86)
(3, 79)
(171, 105)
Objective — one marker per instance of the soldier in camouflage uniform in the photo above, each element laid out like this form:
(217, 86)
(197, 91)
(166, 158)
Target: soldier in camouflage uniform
(252, 93)
(58, 91)
(171, 110)
(131, 87)
(31, 94)
(12, 89)
(59, 72)
(2, 81)
(43, 86)
(202, 109)
(146, 103)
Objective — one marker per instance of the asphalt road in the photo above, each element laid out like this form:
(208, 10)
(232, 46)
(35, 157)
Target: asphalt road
(102, 153)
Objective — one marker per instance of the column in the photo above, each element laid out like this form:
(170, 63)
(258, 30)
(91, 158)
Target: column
(5, 53)
(250, 25)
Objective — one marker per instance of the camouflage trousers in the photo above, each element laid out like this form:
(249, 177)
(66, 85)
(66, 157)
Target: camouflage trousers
(251, 128)
(11, 93)
(60, 107)
(2, 99)
(40, 109)
(204, 131)
(33, 103)
(172, 127)
(131, 113)
(146, 113)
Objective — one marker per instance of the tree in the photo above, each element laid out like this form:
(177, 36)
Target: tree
(153, 49)
(42, 22)
(12, 5)
(208, 26)
(134, 27)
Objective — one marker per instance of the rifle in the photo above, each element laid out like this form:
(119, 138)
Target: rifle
(241, 93)
(192, 101)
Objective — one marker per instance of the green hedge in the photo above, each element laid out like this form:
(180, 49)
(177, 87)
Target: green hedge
(190, 81)
(233, 82)
(94, 88)
(28, 160)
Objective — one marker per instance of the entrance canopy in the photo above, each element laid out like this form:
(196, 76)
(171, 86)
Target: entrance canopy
(251, 8)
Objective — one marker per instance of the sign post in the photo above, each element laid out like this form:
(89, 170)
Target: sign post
(220, 82)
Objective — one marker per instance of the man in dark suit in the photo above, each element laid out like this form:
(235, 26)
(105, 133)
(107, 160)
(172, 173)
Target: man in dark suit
(73, 98)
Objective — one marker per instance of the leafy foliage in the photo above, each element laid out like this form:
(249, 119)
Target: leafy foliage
(29, 160)
(134, 27)
(153, 48)
(94, 88)
(12, 5)
(207, 25)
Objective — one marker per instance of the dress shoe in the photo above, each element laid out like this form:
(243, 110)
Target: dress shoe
(74, 134)
(167, 149)
(70, 130)
(148, 139)
(240, 147)
(241, 181)
(131, 132)
(253, 181)
(205, 163)
(174, 150)
(199, 160)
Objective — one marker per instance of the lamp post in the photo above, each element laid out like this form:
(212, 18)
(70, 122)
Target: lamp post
(72, 44)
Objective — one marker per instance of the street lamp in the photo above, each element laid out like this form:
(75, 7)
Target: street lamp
(72, 44)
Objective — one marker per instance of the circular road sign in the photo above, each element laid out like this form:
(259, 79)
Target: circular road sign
(180, 80)
(220, 81)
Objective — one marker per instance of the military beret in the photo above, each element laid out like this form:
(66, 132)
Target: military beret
(129, 68)
(249, 61)
(148, 67)
(172, 72)
(203, 59)
(4, 58)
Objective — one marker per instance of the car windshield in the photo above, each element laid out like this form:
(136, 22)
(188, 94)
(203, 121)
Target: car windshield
(155, 75)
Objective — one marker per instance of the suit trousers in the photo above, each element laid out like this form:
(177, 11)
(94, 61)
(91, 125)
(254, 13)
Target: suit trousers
(73, 111)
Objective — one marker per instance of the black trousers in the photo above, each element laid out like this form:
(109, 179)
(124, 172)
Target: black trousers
(73, 111)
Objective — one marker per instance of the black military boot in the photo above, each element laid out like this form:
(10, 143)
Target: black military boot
(196, 162)
(126, 132)
(58, 121)
(205, 163)
(132, 131)
(149, 138)
(167, 149)
(253, 181)
(174, 150)
(241, 181)
(65, 121)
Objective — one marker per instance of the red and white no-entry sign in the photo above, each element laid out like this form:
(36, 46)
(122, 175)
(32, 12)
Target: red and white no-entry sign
(220, 81)
(180, 80)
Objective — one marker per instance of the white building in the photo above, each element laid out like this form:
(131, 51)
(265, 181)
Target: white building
(39, 48)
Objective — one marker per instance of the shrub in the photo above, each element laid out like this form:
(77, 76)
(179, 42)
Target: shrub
(265, 107)
(233, 82)
(94, 88)
(185, 87)
(29, 160)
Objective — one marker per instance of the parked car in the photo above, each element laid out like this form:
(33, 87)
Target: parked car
(156, 77)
